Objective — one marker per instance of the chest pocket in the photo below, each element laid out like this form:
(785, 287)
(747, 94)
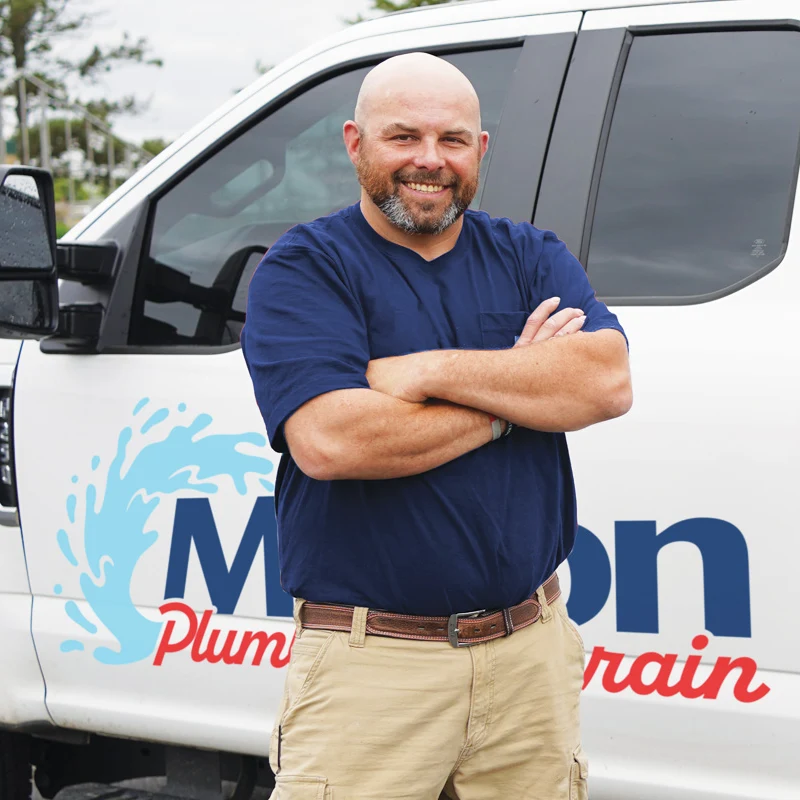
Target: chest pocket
(499, 329)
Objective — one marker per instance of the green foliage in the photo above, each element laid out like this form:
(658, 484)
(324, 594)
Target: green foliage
(61, 229)
(61, 189)
(402, 5)
(390, 6)
(155, 146)
(58, 141)
(29, 29)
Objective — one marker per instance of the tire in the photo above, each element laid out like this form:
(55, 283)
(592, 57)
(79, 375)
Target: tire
(15, 766)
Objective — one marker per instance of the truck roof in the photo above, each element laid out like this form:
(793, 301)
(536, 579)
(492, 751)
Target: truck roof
(479, 10)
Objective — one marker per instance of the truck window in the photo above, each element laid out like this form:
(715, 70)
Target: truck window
(209, 231)
(700, 168)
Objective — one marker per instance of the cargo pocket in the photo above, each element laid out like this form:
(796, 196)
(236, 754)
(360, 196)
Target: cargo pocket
(301, 787)
(308, 653)
(500, 329)
(579, 776)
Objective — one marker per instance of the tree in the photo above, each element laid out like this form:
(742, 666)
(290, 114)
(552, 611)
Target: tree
(29, 30)
(95, 150)
(389, 6)
(155, 146)
(402, 5)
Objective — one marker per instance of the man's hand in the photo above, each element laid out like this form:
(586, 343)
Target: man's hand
(399, 376)
(540, 326)
(402, 376)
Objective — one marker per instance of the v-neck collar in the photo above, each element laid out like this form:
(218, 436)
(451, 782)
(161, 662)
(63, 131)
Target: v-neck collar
(407, 252)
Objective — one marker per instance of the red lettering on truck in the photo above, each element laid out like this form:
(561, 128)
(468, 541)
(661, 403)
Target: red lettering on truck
(684, 685)
(206, 646)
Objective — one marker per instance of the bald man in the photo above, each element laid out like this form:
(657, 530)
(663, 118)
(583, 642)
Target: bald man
(417, 364)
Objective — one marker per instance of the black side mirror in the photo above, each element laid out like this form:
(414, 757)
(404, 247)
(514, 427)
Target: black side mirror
(28, 271)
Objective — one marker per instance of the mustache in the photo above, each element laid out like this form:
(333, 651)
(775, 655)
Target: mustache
(426, 177)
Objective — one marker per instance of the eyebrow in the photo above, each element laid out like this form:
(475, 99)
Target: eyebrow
(394, 127)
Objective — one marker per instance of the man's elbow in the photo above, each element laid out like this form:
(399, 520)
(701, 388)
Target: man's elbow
(617, 398)
(318, 457)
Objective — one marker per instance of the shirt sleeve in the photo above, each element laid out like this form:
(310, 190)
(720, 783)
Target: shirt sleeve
(560, 274)
(304, 334)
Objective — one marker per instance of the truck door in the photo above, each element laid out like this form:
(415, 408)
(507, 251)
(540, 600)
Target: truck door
(672, 174)
(145, 481)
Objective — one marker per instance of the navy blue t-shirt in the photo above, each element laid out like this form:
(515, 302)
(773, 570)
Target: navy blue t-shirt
(482, 531)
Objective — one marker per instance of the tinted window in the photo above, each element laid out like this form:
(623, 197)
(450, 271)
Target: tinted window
(700, 169)
(291, 167)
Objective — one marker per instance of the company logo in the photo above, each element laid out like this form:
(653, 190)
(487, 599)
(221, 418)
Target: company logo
(113, 529)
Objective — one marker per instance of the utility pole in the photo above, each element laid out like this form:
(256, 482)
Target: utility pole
(23, 121)
(3, 151)
(70, 178)
(44, 133)
(110, 140)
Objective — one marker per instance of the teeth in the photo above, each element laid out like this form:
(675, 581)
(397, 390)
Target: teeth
(425, 187)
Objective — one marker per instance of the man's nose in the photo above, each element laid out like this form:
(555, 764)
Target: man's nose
(428, 155)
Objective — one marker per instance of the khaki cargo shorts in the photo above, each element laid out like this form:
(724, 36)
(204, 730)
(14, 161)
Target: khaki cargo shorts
(375, 718)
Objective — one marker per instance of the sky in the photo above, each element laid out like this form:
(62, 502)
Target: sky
(209, 49)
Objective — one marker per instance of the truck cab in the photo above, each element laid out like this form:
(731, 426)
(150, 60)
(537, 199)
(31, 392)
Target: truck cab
(144, 628)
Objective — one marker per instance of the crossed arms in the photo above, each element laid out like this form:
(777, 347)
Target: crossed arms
(425, 409)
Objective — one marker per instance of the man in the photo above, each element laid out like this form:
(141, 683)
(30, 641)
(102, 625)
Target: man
(410, 362)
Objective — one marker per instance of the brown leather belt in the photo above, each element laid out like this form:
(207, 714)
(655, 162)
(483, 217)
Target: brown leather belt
(461, 630)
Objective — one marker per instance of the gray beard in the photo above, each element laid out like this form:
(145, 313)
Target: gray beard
(395, 211)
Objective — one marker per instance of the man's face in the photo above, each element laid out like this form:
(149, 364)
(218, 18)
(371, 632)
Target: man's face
(420, 165)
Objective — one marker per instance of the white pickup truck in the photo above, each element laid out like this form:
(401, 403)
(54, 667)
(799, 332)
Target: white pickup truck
(143, 629)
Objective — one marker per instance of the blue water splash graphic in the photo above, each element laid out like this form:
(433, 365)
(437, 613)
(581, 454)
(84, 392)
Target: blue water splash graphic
(140, 405)
(115, 535)
(95, 463)
(66, 547)
(154, 419)
(74, 613)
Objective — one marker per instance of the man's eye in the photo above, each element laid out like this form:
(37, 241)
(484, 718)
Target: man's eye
(404, 137)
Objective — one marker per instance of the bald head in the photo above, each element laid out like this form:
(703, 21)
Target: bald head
(416, 143)
(412, 81)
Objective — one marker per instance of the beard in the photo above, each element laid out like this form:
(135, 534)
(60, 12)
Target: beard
(420, 217)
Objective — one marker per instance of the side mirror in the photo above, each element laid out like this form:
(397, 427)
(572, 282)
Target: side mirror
(28, 270)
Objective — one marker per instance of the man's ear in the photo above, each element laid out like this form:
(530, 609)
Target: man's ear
(352, 140)
(484, 143)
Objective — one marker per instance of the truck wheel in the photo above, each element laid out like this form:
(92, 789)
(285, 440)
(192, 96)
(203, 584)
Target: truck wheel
(15, 766)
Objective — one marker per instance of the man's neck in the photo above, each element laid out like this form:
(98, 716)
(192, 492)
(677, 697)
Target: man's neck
(426, 245)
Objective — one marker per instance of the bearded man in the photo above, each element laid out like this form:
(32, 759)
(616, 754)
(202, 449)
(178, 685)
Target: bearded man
(417, 363)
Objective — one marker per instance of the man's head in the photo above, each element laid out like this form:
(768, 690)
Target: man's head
(416, 142)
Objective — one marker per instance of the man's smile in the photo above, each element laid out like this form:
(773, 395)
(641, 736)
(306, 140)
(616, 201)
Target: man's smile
(428, 189)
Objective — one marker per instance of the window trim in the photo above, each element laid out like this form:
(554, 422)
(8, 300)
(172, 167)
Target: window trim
(136, 307)
(563, 196)
(596, 173)
(514, 174)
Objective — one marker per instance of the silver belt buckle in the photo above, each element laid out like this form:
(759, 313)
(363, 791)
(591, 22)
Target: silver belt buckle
(452, 627)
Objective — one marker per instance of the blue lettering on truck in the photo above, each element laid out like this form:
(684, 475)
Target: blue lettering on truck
(194, 522)
(104, 539)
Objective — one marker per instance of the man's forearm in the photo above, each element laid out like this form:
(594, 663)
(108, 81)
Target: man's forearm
(360, 434)
(561, 384)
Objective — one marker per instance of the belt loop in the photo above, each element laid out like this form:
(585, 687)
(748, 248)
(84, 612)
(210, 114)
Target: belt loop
(298, 606)
(358, 631)
(547, 612)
